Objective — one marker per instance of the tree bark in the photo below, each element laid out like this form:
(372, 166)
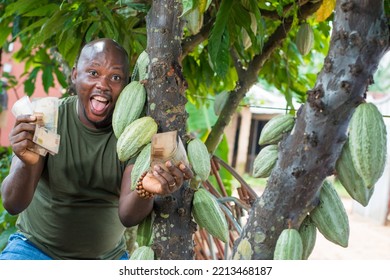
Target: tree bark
(360, 37)
(173, 225)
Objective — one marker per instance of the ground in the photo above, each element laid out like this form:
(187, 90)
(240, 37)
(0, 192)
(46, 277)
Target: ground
(368, 241)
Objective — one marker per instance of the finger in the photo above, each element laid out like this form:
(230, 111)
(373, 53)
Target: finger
(167, 181)
(25, 119)
(187, 172)
(175, 173)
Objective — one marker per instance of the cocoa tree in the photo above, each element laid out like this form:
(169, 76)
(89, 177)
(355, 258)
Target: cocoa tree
(217, 45)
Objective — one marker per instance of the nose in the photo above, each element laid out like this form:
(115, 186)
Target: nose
(103, 84)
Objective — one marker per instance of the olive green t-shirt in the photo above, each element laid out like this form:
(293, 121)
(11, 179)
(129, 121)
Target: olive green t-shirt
(74, 212)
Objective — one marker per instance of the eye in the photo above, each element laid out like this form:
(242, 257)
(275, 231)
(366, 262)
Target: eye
(116, 78)
(93, 72)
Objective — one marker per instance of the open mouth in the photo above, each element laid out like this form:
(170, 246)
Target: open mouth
(99, 104)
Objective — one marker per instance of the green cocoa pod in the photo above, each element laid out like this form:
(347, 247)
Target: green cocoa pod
(140, 71)
(330, 216)
(145, 231)
(368, 143)
(142, 164)
(208, 214)
(350, 178)
(274, 129)
(265, 161)
(305, 38)
(289, 245)
(142, 253)
(128, 107)
(308, 232)
(135, 136)
(199, 158)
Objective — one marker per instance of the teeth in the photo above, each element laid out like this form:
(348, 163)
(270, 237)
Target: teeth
(100, 98)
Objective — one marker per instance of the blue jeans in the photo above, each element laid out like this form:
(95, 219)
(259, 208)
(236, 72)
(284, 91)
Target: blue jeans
(19, 248)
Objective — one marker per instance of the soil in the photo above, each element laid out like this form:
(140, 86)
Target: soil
(368, 240)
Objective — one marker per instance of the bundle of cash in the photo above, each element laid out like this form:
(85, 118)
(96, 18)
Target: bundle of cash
(46, 111)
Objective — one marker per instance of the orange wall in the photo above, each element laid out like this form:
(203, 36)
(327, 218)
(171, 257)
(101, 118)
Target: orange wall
(15, 93)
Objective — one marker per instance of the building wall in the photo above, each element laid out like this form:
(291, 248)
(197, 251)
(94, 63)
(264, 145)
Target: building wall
(17, 69)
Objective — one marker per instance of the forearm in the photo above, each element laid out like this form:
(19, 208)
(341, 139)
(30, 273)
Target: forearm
(133, 209)
(17, 189)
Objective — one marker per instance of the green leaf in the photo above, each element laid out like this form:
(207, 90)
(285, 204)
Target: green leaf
(4, 33)
(21, 7)
(47, 78)
(222, 60)
(91, 31)
(60, 77)
(29, 84)
(42, 11)
(53, 26)
(219, 38)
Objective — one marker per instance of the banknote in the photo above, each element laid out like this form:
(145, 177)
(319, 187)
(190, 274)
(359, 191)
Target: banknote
(47, 139)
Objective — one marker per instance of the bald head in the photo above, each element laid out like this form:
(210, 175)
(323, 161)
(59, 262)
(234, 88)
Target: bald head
(104, 46)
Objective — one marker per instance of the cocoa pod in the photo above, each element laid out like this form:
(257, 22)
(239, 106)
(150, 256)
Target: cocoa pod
(289, 245)
(330, 216)
(368, 143)
(305, 38)
(265, 161)
(274, 129)
(308, 232)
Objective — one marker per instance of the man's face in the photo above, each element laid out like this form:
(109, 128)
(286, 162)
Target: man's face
(99, 77)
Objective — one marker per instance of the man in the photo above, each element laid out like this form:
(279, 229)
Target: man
(69, 203)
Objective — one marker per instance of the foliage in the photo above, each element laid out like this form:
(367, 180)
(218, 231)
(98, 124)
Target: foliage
(7, 222)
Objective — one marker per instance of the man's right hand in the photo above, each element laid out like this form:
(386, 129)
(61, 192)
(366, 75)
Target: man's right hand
(21, 139)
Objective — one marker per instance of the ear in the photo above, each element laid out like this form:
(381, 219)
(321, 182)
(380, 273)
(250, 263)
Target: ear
(74, 75)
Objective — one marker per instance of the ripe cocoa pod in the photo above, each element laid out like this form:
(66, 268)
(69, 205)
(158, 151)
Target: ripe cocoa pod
(141, 164)
(289, 245)
(142, 253)
(129, 106)
(304, 39)
(350, 178)
(199, 158)
(368, 143)
(274, 129)
(136, 135)
(208, 214)
(140, 71)
(330, 216)
(145, 231)
(308, 232)
(265, 161)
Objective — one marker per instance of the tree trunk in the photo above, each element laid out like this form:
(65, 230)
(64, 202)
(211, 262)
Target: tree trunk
(173, 226)
(359, 39)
